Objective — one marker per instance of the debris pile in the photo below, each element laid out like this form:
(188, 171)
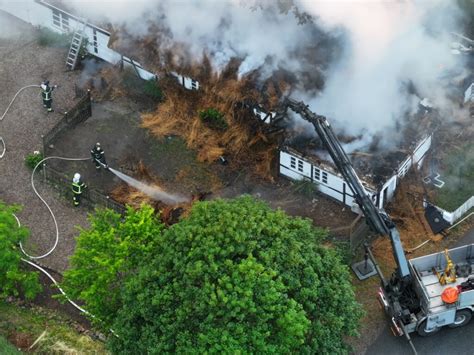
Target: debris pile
(135, 198)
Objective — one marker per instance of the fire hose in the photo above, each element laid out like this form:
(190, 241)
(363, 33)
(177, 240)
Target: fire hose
(29, 262)
(6, 111)
(47, 206)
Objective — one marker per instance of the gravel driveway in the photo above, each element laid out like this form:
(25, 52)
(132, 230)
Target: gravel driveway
(24, 62)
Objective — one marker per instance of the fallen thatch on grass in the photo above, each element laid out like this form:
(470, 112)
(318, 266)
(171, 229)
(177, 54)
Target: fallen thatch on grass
(244, 142)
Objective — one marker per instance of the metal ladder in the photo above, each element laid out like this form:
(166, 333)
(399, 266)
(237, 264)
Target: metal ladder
(75, 47)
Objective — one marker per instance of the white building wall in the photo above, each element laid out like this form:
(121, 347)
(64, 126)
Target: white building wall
(335, 186)
(296, 168)
(40, 13)
(421, 150)
(300, 168)
(29, 11)
(469, 94)
(390, 186)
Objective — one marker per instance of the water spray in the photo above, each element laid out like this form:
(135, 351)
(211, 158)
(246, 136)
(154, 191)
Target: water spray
(152, 191)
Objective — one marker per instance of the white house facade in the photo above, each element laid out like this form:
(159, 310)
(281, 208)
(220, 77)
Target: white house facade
(39, 13)
(298, 167)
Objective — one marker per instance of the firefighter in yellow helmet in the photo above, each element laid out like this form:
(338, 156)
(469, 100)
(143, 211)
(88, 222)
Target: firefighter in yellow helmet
(78, 187)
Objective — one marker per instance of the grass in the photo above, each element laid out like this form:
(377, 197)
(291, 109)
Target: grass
(458, 173)
(213, 119)
(305, 187)
(151, 89)
(148, 92)
(180, 164)
(6, 348)
(174, 147)
(58, 338)
(49, 38)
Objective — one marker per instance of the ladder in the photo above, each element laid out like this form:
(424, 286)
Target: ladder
(74, 49)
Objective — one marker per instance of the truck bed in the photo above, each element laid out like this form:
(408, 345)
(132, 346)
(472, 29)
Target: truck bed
(434, 289)
(427, 283)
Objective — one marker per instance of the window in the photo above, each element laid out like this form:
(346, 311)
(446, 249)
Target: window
(300, 166)
(317, 174)
(96, 49)
(194, 85)
(325, 177)
(61, 20)
(293, 162)
(56, 18)
(65, 22)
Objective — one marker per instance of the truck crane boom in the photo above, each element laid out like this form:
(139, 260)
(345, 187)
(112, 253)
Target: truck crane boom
(378, 220)
(410, 298)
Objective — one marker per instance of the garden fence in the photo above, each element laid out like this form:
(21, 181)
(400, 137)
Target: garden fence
(91, 198)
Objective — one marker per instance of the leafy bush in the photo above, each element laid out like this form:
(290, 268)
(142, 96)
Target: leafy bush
(105, 254)
(214, 119)
(13, 278)
(232, 277)
(236, 276)
(49, 38)
(152, 89)
(32, 159)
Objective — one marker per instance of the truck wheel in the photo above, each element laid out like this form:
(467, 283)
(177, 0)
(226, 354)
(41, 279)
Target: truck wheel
(422, 331)
(462, 318)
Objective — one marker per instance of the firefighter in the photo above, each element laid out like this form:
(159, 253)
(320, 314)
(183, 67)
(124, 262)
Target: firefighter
(46, 94)
(98, 156)
(77, 188)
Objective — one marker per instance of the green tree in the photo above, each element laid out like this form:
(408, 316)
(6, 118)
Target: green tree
(237, 277)
(106, 254)
(14, 279)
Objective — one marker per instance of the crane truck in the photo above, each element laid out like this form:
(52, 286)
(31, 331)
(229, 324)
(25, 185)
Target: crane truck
(423, 294)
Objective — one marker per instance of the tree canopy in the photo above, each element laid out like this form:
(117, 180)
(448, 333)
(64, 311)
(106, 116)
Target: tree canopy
(14, 279)
(233, 276)
(106, 254)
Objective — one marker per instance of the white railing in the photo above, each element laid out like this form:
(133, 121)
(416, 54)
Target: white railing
(452, 217)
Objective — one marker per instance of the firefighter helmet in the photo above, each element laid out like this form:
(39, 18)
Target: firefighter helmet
(76, 178)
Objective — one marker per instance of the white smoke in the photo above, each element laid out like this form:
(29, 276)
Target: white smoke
(387, 45)
(256, 31)
(391, 43)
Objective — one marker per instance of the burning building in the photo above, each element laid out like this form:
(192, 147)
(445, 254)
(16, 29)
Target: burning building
(379, 172)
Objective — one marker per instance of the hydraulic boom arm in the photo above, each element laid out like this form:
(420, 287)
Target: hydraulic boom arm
(378, 220)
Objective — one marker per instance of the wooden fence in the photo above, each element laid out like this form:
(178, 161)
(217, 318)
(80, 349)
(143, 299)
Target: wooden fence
(90, 198)
(78, 114)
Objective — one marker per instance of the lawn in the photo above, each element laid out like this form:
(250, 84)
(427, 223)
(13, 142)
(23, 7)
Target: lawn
(6, 348)
(24, 325)
(457, 171)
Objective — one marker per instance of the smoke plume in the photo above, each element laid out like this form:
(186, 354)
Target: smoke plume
(265, 35)
(391, 44)
(352, 60)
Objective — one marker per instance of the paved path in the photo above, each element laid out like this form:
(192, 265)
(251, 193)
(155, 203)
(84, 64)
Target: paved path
(23, 62)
